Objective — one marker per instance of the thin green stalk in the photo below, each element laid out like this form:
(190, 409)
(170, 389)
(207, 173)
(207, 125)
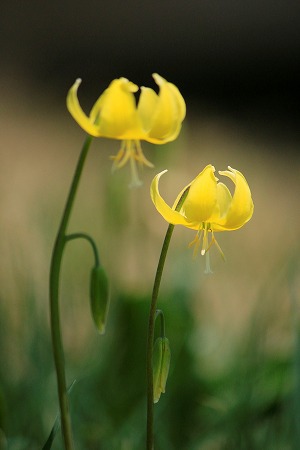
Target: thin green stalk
(90, 240)
(56, 426)
(151, 323)
(56, 260)
(160, 313)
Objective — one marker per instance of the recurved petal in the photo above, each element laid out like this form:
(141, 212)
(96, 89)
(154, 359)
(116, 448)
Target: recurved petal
(116, 111)
(77, 113)
(177, 96)
(169, 113)
(165, 210)
(241, 206)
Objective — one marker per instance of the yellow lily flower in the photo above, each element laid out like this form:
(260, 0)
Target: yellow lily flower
(156, 118)
(209, 207)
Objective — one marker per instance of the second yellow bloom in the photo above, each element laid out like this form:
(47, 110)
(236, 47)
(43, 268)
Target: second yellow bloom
(209, 206)
(156, 118)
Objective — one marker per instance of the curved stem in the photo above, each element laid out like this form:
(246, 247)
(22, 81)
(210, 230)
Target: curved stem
(54, 304)
(151, 323)
(88, 238)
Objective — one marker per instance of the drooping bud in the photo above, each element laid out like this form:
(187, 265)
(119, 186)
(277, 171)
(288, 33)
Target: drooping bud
(99, 297)
(161, 364)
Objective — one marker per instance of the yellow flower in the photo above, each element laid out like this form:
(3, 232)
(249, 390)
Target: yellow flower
(156, 118)
(209, 207)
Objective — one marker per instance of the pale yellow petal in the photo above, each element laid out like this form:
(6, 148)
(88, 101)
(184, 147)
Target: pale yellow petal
(96, 109)
(176, 93)
(201, 202)
(223, 204)
(165, 210)
(241, 206)
(77, 113)
(147, 106)
(169, 113)
(224, 198)
(117, 113)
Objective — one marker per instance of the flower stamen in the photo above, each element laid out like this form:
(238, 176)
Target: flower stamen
(205, 246)
(203, 235)
(214, 241)
(121, 158)
(131, 150)
(207, 264)
(196, 242)
(139, 155)
(135, 180)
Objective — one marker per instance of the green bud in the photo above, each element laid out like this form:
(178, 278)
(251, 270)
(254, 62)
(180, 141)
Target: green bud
(161, 365)
(99, 297)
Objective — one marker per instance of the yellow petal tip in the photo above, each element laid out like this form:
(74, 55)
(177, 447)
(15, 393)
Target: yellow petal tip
(158, 79)
(78, 82)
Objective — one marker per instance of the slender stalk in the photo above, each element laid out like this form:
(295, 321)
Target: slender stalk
(91, 241)
(151, 323)
(160, 313)
(56, 260)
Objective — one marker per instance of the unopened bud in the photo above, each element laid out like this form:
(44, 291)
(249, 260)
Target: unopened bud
(99, 297)
(161, 364)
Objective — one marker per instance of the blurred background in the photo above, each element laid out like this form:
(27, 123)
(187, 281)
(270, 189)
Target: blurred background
(235, 372)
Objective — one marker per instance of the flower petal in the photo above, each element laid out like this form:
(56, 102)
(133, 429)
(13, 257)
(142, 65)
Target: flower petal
(77, 113)
(224, 198)
(169, 113)
(147, 106)
(165, 210)
(201, 202)
(223, 203)
(115, 111)
(241, 206)
(157, 118)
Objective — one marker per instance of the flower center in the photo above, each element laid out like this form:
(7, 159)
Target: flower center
(131, 151)
(202, 236)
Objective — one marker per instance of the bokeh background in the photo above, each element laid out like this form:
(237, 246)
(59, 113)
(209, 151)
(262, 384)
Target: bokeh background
(235, 373)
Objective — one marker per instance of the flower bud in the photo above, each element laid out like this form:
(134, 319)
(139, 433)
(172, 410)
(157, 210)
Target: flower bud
(99, 297)
(161, 364)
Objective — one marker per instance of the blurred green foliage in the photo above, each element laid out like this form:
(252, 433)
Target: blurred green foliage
(249, 404)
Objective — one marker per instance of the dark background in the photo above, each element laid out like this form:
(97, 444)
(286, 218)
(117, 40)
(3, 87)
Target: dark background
(232, 54)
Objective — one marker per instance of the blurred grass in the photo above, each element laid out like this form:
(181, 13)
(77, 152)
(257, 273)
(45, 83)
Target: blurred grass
(234, 378)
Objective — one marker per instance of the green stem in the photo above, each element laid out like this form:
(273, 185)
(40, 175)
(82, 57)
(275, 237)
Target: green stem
(162, 322)
(151, 323)
(89, 239)
(56, 260)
